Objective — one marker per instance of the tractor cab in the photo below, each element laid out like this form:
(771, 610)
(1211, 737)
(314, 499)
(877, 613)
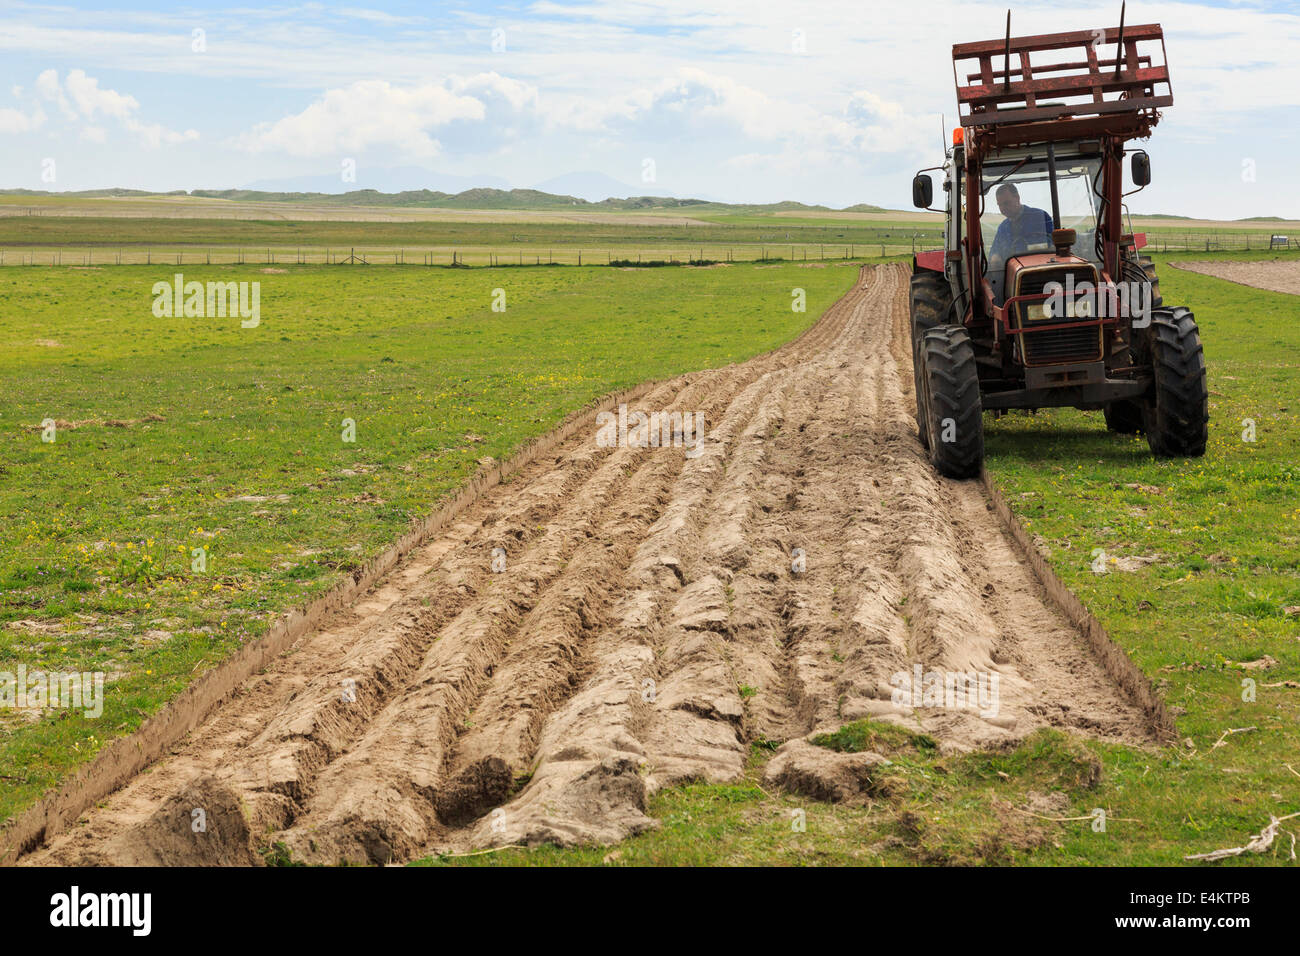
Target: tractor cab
(1025, 199)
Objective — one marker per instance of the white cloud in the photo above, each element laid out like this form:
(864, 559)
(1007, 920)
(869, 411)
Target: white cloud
(49, 88)
(378, 114)
(873, 124)
(378, 16)
(81, 99)
(690, 99)
(16, 121)
(154, 135)
(90, 100)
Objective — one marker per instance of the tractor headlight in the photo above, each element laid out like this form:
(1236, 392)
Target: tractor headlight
(1080, 308)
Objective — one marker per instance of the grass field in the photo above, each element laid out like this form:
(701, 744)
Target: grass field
(198, 433)
(69, 240)
(1210, 612)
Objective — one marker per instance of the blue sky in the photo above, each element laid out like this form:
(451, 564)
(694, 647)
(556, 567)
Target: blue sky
(742, 100)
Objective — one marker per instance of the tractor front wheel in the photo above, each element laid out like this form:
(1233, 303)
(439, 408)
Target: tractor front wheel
(954, 415)
(931, 302)
(1176, 414)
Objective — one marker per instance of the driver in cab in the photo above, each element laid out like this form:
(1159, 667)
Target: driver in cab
(1023, 226)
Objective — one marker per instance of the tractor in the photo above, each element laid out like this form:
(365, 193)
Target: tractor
(1040, 297)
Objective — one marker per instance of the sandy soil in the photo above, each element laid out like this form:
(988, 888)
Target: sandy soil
(1276, 275)
(647, 626)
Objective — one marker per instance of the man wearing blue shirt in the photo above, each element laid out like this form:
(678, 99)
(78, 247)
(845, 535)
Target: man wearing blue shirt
(1024, 226)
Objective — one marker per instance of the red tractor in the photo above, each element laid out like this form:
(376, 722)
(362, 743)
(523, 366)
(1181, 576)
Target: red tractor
(1040, 297)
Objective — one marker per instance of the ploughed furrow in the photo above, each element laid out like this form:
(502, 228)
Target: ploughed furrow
(644, 716)
(339, 743)
(719, 646)
(612, 621)
(385, 797)
(392, 789)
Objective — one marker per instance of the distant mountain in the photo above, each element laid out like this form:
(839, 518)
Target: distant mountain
(399, 179)
(477, 197)
(594, 187)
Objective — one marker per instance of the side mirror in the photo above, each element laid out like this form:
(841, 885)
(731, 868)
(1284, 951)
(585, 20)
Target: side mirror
(1141, 169)
(922, 191)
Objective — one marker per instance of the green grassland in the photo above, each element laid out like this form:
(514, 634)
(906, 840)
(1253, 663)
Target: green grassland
(1207, 614)
(197, 433)
(607, 233)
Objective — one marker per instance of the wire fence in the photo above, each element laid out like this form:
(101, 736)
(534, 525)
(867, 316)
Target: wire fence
(1222, 242)
(627, 256)
(464, 257)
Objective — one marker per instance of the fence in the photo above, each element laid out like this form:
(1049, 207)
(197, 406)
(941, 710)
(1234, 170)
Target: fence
(618, 255)
(896, 244)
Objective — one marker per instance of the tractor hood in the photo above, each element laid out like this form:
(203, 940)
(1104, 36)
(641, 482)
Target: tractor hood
(1033, 260)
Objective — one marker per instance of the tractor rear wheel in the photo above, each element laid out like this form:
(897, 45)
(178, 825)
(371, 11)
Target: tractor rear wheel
(1176, 414)
(1124, 417)
(954, 414)
(1149, 268)
(931, 303)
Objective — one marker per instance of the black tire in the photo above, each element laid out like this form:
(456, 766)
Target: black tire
(1124, 417)
(1131, 350)
(1142, 269)
(954, 412)
(1176, 414)
(1149, 268)
(931, 304)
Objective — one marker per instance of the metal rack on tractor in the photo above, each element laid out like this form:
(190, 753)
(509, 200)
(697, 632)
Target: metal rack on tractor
(1040, 297)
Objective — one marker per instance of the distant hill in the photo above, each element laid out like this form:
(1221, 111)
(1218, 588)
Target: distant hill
(114, 193)
(387, 179)
(594, 187)
(479, 197)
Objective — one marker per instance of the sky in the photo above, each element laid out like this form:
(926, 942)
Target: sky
(836, 102)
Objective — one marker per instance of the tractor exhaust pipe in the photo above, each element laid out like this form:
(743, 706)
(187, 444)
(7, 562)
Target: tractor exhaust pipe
(1051, 172)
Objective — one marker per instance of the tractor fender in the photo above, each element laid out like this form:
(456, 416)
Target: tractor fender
(929, 261)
